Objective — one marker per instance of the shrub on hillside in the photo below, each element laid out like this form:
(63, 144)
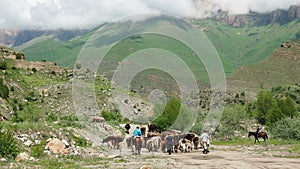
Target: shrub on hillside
(19, 55)
(270, 110)
(4, 90)
(80, 141)
(37, 151)
(8, 144)
(34, 70)
(51, 117)
(287, 128)
(70, 121)
(169, 114)
(233, 119)
(113, 115)
(3, 64)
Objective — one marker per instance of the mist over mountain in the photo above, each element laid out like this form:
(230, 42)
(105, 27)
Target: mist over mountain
(57, 14)
(239, 14)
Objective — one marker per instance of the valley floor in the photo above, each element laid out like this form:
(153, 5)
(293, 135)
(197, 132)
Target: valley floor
(238, 156)
(219, 157)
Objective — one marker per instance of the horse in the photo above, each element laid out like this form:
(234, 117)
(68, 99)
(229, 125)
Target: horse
(153, 144)
(261, 134)
(137, 145)
(113, 141)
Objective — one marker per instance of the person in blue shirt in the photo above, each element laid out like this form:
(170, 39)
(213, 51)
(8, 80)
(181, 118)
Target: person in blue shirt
(137, 132)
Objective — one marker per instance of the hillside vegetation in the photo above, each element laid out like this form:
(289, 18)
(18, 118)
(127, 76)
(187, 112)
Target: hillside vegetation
(281, 68)
(36, 105)
(236, 46)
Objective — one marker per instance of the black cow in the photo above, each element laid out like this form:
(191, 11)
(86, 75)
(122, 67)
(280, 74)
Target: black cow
(127, 127)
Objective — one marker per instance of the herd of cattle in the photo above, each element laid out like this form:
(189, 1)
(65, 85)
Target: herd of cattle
(154, 141)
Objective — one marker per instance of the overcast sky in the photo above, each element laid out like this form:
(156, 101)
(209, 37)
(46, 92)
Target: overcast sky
(53, 14)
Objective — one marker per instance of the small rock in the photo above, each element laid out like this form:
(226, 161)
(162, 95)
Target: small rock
(23, 139)
(28, 143)
(102, 156)
(37, 141)
(22, 157)
(66, 143)
(47, 152)
(32, 159)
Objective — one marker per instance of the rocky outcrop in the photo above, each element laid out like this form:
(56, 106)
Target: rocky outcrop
(56, 146)
(294, 12)
(276, 16)
(279, 16)
(286, 45)
(11, 53)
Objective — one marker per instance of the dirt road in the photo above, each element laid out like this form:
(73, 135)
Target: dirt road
(219, 157)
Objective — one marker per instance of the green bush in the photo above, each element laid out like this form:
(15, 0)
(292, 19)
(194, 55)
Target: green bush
(233, 119)
(270, 110)
(113, 115)
(17, 118)
(8, 145)
(3, 64)
(4, 90)
(34, 70)
(28, 112)
(169, 114)
(51, 117)
(70, 121)
(79, 141)
(19, 55)
(287, 128)
(37, 151)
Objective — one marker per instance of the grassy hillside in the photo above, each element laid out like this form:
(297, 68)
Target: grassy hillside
(50, 49)
(280, 69)
(237, 46)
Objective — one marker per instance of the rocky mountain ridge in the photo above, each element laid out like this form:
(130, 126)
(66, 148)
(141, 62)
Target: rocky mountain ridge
(15, 37)
(253, 18)
(18, 37)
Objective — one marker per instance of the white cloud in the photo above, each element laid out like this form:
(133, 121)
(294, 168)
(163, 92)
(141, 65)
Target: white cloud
(52, 14)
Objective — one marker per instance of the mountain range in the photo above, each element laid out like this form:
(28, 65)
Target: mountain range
(240, 40)
(18, 37)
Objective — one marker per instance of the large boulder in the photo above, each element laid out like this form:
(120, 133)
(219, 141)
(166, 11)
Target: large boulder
(56, 146)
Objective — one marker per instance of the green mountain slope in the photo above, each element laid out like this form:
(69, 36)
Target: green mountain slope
(280, 69)
(237, 46)
(50, 49)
